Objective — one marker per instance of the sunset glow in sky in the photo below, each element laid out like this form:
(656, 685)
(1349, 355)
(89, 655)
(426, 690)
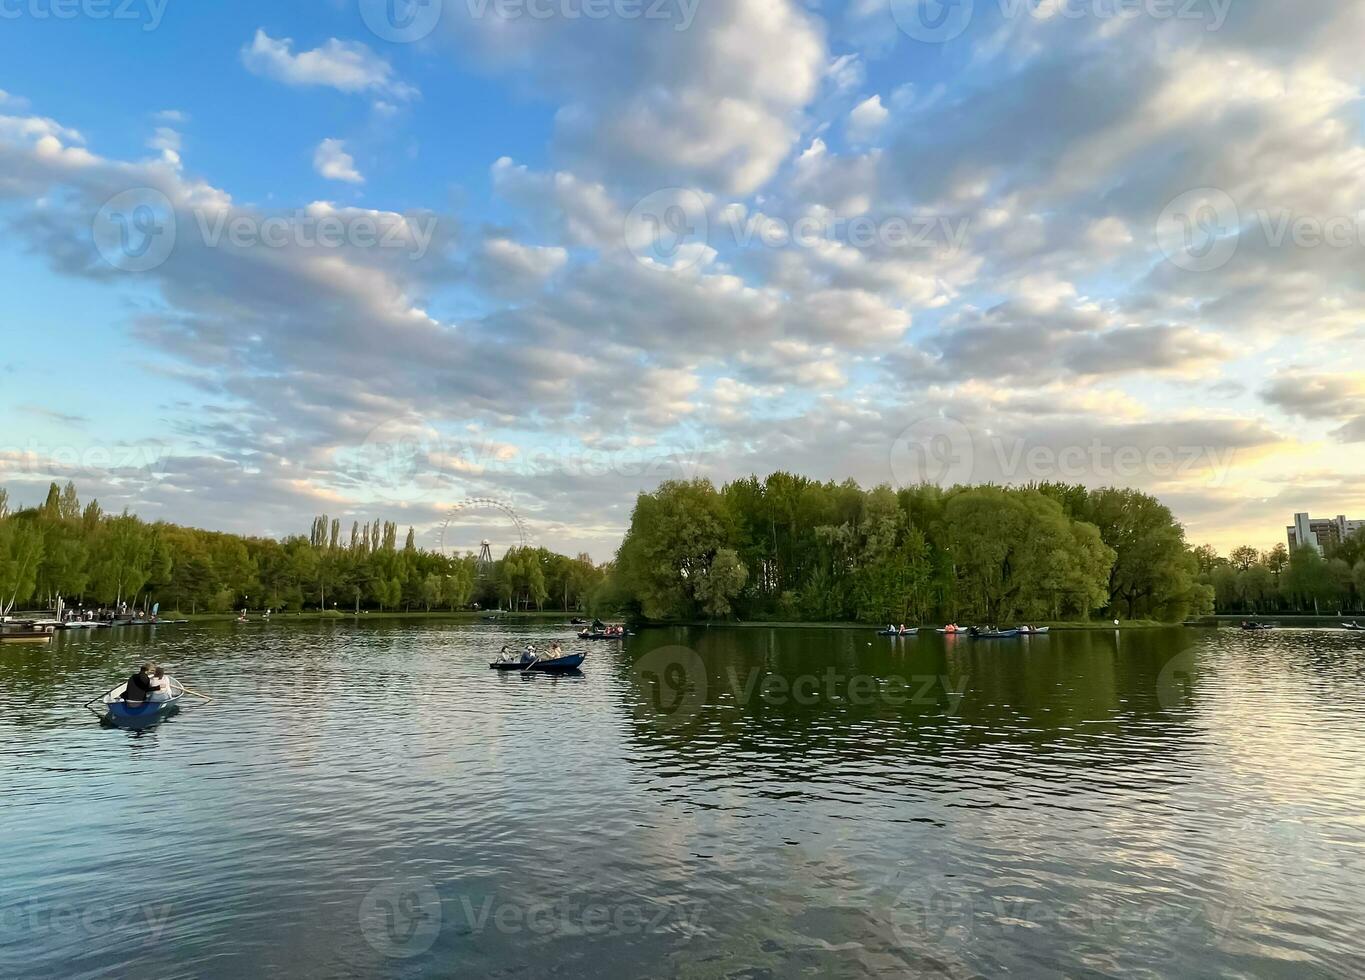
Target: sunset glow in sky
(265, 260)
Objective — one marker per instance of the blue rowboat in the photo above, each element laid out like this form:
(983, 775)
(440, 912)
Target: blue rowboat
(996, 634)
(113, 710)
(558, 665)
(126, 716)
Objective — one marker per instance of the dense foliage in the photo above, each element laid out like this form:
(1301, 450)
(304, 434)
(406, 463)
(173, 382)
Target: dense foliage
(791, 548)
(1280, 581)
(87, 557)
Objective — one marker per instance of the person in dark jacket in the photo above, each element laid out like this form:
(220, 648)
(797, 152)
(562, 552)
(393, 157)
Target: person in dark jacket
(139, 687)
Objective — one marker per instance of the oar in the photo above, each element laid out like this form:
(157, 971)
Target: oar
(100, 698)
(190, 690)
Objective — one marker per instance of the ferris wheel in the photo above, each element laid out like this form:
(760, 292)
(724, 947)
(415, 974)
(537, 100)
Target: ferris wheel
(446, 541)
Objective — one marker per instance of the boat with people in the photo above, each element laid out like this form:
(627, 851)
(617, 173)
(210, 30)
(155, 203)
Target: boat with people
(532, 661)
(1034, 630)
(144, 699)
(952, 629)
(899, 631)
(1252, 627)
(603, 631)
(1352, 626)
(993, 634)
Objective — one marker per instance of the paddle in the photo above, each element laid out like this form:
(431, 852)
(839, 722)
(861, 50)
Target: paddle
(532, 663)
(100, 698)
(190, 690)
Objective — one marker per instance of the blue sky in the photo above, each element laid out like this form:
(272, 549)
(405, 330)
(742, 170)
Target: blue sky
(832, 238)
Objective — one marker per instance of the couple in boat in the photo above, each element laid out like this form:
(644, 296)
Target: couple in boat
(150, 684)
(530, 654)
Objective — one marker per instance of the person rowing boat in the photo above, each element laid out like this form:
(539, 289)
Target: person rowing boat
(138, 690)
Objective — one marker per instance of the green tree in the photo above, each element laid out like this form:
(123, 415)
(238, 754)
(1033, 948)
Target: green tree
(720, 582)
(21, 554)
(674, 536)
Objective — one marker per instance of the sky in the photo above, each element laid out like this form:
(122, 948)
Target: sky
(493, 267)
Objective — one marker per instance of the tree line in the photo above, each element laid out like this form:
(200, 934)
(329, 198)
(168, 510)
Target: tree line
(1280, 581)
(75, 551)
(791, 548)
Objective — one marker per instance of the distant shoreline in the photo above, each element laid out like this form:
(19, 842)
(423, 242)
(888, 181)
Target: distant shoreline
(562, 618)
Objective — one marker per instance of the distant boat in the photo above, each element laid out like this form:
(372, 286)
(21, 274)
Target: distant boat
(952, 629)
(996, 634)
(908, 631)
(550, 665)
(1352, 626)
(593, 635)
(1256, 627)
(1034, 630)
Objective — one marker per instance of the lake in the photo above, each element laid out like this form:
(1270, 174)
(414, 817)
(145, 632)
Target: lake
(371, 800)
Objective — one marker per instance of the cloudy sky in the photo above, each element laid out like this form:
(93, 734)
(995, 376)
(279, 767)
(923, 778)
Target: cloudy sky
(381, 259)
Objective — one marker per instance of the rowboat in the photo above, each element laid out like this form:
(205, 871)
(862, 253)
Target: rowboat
(26, 637)
(590, 635)
(909, 631)
(952, 629)
(1256, 627)
(996, 634)
(112, 710)
(1352, 626)
(556, 665)
(1034, 630)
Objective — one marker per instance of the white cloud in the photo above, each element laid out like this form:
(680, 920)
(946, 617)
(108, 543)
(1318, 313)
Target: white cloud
(867, 119)
(718, 105)
(347, 66)
(332, 161)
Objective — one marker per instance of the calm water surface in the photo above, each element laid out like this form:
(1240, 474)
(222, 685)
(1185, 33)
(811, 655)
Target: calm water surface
(373, 801)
